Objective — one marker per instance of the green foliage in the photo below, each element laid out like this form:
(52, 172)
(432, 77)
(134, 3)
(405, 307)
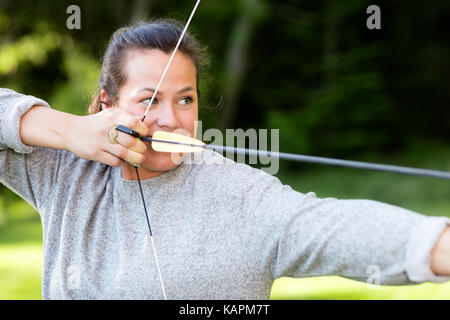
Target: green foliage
(79, 71)
(82, 72)
(31, 48)
(313, 69)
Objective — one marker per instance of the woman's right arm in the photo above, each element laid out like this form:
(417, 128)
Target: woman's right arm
(44, 127)
(85, 136)
(29, 172)
(31, 134)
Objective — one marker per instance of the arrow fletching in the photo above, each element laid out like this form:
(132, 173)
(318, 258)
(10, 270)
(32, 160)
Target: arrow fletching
(173, 142)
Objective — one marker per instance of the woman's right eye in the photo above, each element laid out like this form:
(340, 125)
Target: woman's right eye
(147, 101)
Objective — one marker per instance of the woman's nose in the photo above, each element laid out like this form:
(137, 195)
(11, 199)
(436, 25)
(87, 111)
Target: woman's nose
(166, 116)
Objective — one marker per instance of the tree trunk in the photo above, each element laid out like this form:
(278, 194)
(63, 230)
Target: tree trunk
(236, 60)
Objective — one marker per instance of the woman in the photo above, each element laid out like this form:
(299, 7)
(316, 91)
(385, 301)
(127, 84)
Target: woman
(222, 231)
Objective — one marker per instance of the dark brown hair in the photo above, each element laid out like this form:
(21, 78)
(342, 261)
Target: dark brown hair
(158, 34)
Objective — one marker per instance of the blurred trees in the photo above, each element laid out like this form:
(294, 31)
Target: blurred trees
(310, 68)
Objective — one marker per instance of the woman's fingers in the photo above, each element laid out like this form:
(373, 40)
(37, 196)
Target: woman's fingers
(109, 159)
(127, 147)
(131, 142)
(133, 123)
(91, 139)
(125, 153)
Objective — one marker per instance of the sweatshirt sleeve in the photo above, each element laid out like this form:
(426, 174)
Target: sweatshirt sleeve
(28, 171)
(290, 234)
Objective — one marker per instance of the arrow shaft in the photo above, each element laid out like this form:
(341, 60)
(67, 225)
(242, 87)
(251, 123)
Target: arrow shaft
(334, 162)
(318, 160)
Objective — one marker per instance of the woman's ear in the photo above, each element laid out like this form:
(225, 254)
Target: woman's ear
(105, 101)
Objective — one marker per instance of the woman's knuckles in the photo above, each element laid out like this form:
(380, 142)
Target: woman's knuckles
(122, 152)
(115, 162)
(131, 143)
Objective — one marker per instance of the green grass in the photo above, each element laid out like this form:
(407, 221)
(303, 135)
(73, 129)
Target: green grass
(20, 253)
(21, 235)
(329, 288)
(20, 271)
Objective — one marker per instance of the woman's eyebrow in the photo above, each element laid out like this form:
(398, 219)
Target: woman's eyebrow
(185, 89)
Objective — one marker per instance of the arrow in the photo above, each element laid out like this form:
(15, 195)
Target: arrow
(172, 142)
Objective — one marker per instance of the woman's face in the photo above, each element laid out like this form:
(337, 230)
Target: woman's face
(175, 107)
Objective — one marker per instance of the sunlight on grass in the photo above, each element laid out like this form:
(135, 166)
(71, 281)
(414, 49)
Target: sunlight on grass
(20, 271)
(340, 288)
(21, 264)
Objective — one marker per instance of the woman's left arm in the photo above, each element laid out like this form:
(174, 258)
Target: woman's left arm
(289, 234)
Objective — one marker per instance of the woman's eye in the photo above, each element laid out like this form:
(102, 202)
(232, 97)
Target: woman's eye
(147, 101)
(186, 100)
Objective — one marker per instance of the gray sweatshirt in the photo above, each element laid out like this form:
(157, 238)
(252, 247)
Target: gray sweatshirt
(223, 230)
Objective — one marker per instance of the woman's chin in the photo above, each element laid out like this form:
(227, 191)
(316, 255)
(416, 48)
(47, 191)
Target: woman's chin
(159, 162)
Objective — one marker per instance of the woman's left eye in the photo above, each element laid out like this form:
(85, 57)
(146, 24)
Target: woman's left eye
(186, 100)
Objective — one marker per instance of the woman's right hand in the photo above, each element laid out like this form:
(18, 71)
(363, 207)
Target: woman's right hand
(88, 138)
